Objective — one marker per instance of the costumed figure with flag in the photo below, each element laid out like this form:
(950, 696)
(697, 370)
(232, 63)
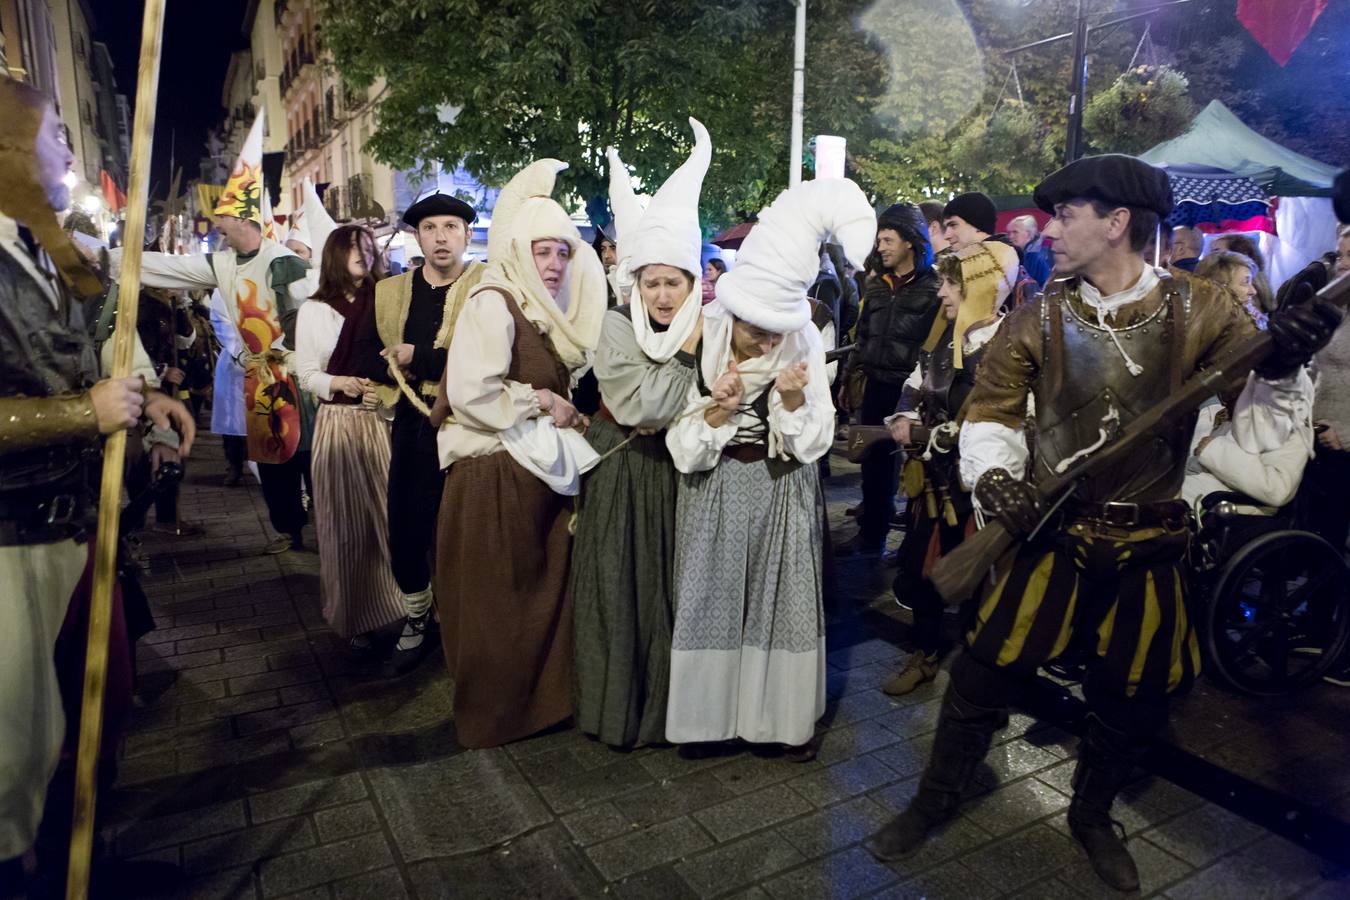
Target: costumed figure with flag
(262, 284)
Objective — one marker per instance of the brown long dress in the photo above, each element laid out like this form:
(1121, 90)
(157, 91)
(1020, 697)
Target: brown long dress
(502, 558)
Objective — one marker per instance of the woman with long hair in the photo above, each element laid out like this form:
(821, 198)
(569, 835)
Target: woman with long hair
(337, 355)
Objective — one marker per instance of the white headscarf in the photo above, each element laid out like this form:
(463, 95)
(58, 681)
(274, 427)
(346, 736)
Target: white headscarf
(665, 233)
(525, 213)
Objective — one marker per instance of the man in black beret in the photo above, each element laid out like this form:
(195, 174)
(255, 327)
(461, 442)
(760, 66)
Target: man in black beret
(899, 305)
(1105, 577)
(409, 312)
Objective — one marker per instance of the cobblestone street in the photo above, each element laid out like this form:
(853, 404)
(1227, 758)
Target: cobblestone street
(268, 763)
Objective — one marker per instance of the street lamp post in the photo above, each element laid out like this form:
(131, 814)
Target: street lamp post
(798, 96)
(1077, 86)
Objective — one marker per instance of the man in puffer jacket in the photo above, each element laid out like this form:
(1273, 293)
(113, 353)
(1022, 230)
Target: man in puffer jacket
(899, 307)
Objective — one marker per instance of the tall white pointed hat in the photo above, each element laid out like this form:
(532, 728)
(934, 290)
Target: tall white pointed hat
(311, 225)
(243, 195)
(780, 257)
(666, 232)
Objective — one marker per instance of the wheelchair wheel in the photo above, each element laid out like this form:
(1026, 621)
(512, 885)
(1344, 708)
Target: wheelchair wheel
(1279, 616)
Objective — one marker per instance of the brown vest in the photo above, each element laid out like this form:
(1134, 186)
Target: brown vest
(533, 361)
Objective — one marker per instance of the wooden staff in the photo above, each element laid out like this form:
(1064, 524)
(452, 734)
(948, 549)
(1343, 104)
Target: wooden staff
(114, 454)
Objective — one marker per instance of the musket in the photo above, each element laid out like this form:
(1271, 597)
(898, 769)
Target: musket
(959, 573)
(114, 455)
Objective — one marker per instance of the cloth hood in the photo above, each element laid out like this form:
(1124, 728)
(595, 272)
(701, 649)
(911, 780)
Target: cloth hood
(781, 256)
(243, 194)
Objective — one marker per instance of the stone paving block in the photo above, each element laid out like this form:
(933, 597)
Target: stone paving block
(1055, 888)
(305, 693)
(146, 768)
(1335, 888)
(214, 641)
(304, 798)
(151, 833)
(282, 616)
(346, 821)
(228, 753)
(913, 720)
(248, 846)
(213, 616)
(183, 736)
(748, 773)
(595, 786)
(266, 647)
(863, 678)
(856, 708)
(228, 884)
(1013, 760)
(290, 659)
(1204, 834)
(285, 717)
(905, 758)
(544, 864)
(648, 848)
(848, 741)
(850, 873)
(844, 780)
(860, 654)
(949, 880)
(316, 734)
(661, 883)
(672, 798)
(329, 862)
(548, 740)
(415, 702)
(738, 863)
(152, 719)
(282, 632)
(386, 884)
(227, 706)
(1157, 869)
(223, 670)
(958, 838)
(1271, 868)
(166, 635)
(597, 823)
(835, 828)
(668, 763)
(249, 683)
(1015, 861)
(751, 812)
(182, 690)
(481, 793)
(566, 762)
(1015, 806)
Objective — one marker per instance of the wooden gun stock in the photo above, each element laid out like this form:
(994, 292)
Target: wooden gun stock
(958, 574)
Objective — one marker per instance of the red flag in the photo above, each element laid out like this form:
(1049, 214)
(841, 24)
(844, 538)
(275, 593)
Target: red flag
(116, 200)
(1279, 25)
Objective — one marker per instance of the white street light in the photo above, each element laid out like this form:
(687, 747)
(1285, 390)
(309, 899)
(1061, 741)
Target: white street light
(798, 95)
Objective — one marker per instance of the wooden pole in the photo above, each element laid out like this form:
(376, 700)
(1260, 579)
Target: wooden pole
(114, 454)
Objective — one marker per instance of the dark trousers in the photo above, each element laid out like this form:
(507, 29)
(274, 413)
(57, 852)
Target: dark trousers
(236, 450)
(415, 484)
(281, 484)
(911, 587)
(1327, 495)
(880, 466)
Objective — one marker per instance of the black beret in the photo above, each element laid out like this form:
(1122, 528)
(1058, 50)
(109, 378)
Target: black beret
(438, 205)
(1112, 178)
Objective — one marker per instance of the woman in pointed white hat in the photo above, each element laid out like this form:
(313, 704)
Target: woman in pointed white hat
(748, 653)
(515, 462)
(625, 538)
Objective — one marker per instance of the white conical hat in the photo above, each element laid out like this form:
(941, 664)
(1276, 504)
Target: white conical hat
(781, 256)
(312, 225)
(667, 231)
(534, 181)
(243, 196)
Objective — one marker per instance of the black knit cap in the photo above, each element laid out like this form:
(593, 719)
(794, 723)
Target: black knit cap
(1113, 178)
(975, 208)
(438, 205)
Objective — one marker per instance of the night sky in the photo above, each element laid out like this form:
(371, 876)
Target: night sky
(198, 40)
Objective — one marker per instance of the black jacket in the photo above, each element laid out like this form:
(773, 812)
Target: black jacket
(893, 326)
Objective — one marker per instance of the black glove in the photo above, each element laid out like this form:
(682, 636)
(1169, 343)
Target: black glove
(1297, 332)
(1015, 503)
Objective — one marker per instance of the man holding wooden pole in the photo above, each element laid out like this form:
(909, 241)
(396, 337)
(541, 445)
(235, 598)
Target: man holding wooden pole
(53, 414)
(1110, 338)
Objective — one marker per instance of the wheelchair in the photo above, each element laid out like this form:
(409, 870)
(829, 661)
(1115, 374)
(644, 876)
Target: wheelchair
(1270, 599)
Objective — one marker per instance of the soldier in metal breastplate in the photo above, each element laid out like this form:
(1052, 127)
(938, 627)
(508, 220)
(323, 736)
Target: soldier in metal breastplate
(973, 283)
(1110, 337)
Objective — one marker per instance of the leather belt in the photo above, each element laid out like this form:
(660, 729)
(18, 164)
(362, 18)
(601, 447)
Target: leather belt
(1161, 513)
(46, 519)
(746, 453)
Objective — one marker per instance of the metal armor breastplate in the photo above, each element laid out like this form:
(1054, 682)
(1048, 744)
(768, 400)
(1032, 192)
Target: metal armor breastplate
(1085, 394)
(939, 379)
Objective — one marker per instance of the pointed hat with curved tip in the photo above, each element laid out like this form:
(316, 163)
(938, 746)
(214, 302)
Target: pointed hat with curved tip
(535, 180)
(668, 232)
(781, 255)
(314, 220)
(626, 205)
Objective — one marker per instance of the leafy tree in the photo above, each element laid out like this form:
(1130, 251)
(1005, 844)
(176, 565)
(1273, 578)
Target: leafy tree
(569, 78)
(1146, 106)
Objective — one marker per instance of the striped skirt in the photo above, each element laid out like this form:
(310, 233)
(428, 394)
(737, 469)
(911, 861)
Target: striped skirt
(350, 468)
(1118, 594)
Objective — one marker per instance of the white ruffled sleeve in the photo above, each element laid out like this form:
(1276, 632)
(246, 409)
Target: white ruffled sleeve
(1268, 412)
(480, 394)
(694, 445)
(314, 344)
(991, 445)
(808, 431)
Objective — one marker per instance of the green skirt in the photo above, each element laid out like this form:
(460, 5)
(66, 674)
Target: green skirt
(622, 558)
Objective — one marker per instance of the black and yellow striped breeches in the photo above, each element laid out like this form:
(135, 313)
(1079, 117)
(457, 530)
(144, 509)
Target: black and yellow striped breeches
(1126, 586)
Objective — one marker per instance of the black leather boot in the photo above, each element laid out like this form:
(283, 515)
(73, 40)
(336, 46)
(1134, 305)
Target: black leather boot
(1106, 759)
(964, 734)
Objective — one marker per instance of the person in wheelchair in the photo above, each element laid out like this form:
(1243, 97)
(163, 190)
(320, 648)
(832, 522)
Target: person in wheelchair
(1268, 479)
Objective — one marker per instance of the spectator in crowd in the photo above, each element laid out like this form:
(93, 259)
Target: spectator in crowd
(714, 269)
(1244, 244)
(1037, 259)
(932, 214)
(900, 305)
(1235, 272)
(1187, 245)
